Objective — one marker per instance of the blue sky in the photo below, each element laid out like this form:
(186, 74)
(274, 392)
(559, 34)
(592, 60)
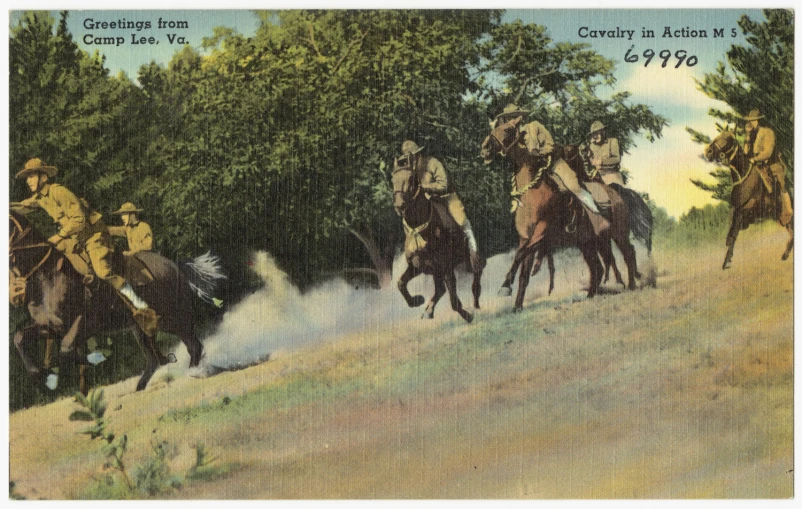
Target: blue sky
(663, 169)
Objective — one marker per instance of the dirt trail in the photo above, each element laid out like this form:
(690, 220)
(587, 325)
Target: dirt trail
(684, 390)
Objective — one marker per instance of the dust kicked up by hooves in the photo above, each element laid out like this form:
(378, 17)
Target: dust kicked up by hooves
(279, 318)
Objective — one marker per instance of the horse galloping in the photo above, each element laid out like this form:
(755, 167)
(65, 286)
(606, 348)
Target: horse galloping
(438, 249)
(62, 306)
(750, 200)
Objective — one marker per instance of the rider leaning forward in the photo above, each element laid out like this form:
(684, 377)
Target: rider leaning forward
(540, 144)
(435, 183)
(83, 236)
(761, 149)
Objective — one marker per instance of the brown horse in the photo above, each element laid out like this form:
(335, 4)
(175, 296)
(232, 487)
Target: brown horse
(749, 199)
(547, 219)
(61, 306)
(441, 246)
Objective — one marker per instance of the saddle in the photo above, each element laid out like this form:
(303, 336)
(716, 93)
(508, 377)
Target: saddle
(131, 268)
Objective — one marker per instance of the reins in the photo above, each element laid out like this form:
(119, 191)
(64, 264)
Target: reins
(730, 159)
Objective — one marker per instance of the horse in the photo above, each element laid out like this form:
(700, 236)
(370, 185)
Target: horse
(749, 198)
(547, 219)
(439, 246)
(62, 306)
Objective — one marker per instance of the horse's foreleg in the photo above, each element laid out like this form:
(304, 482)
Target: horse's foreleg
(439, 291)
(523, 281)
(405, 278)
(451, 285)
(24, 340)
(550, 263)
(790, 229)
(732, 236)
(520, 254)
(476, 287)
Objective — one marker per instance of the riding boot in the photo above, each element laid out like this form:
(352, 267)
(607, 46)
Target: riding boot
(600, 224)
(473, 249)
(787, 210)
(144, 316)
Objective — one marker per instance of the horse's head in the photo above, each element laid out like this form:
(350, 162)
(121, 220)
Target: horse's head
(405, 184)
(721, 149)
(27, 253)
(501, 139)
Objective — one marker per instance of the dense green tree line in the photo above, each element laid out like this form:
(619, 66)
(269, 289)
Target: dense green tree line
(282, 141)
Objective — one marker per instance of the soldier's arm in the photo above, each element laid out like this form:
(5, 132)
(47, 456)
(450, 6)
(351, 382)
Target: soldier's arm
(117, 231)
(767, 147)
(25, 206)
(437, 178)
(613, 157)
(74, 220)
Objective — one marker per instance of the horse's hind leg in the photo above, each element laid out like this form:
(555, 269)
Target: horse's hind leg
(439, 291)
(520, 255)
(24, 339)
(550, 263)
(456, 305)
(628, 250)
(186, 332)
(606, 251)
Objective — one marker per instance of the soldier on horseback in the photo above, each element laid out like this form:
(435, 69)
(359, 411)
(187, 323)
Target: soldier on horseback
(435, 183)
(539, 143)
(83, 236)
(602, 155)
(136, 231)
(761, 149)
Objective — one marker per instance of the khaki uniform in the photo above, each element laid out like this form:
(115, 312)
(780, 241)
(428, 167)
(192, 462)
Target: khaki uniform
(81, 231)
(609, 153)
(764, 153)
(139, 236)
(539, 142)
(435, 182)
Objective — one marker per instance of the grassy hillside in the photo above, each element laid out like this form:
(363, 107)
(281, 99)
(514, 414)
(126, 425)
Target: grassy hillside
(683, 390)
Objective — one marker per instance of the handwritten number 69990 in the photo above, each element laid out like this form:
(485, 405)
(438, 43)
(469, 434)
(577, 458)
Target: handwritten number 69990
(648, 55)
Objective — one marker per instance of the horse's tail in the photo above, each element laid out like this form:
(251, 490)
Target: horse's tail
(640, 216)
(203, 274)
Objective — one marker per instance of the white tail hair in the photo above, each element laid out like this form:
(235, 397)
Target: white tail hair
(203, 275)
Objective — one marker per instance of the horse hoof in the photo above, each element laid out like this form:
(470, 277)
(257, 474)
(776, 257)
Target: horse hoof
(725, 266)
(504, 291)
(467, 316)
(785, 256)
(416, 301)
(424, 316)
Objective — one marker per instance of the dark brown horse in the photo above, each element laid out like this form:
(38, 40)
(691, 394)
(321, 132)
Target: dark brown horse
(547, 219)
(749, 199)
(61, 306)
(441, 246)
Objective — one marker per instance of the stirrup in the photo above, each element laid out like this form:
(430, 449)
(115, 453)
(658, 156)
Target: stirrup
(88, 279)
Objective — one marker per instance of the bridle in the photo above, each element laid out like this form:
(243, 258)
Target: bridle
(505, 148)
(727, 156)
(14, 245)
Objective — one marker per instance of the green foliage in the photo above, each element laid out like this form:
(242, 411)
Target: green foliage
(759, 75)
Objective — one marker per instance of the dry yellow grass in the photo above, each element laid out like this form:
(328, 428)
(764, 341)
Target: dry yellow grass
(684, 390)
